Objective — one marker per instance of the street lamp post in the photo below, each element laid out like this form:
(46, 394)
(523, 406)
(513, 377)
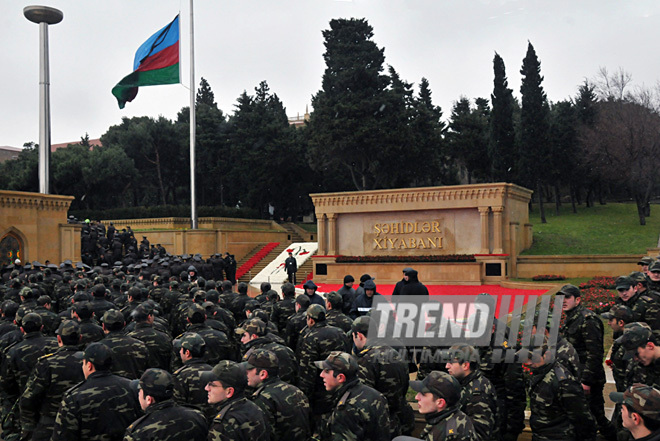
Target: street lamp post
(43, 16)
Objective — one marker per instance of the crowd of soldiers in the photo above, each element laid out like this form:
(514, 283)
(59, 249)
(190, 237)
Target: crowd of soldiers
(143, 352)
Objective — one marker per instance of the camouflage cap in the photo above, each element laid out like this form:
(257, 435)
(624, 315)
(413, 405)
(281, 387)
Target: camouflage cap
(619, 312)
(303, 301)
(624, 283)
(361, 324)
(252, 326)
(31, 319)
(68, 328)
(638, 277)
(463, 353)
(190, 341)
(440, 384)
(335, 299)
(340, 362)
(643, 399)
(229, 373)
(26, 292)
(316, 312)
(570, 291)
(113, 316)
(196, 312)
(157, 383)
(655, 267)
(83, 309)
(261, 358)
(99, 355)
(646, 260)
(635, 335)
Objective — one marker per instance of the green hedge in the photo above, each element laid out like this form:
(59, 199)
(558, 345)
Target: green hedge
(403, 259)
(163, 211)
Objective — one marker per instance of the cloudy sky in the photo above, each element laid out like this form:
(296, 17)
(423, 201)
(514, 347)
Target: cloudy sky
(239, 43)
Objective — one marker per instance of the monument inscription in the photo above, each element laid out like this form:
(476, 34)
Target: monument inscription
(403, 235)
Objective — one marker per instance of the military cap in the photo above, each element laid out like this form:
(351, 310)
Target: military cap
(229, 373)
(68, 328)
(251, 305)
(570, 291)
(310, 285)
(619, 312)
(261, 358)
(113, 316)
(440, 384)
(334, 298)
(252, 326)
(288, 288)
(81, 297)
(98, 354)
(365, 277)
(370, 284)
(196, 311)
(348, 279)
(638, 277)
(190, 341)
(317, 312)
(635, 335)
(26, 292)
(303, 301)
(44, 300)
(142, 312)
(340, 362)
(655, 267)
(260, 314)
(361, 324)
(643, 399)
(624, 283)
(157, 383)
(32, 320)
(646, 260)
(83, 307)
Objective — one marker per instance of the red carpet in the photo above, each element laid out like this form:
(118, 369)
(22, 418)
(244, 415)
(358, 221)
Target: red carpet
(463, 290)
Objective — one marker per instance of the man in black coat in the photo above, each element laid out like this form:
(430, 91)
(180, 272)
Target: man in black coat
(291, 267)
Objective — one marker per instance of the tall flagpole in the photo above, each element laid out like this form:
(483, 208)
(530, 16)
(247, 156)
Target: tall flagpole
(193, 199)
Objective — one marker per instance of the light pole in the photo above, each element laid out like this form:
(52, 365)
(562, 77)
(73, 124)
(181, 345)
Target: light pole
(43, 16)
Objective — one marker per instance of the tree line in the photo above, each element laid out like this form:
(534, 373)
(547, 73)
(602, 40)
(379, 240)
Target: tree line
(371, 129)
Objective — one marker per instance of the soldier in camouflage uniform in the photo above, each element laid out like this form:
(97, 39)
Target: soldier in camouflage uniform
(164, 420)
(101, 407)
(238, 419)
(253, 335)
(317, 343)
(653, 274)
(617, 318)
(188, 385)
(285, 308)
(565, 353)
(131, 356)
(334, 315)
(360, 412)
(438, 396)
(218, 345)
(90, 330)
(478, 397)
(558, 405)
(53, 375)
(285, 406)
(644, 308)
(158, 343)
(381, 367)
(641, 411)
(584, 330)
(297, 322)
(643, 344)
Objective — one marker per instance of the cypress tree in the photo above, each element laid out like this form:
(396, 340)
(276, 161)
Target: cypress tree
(502, 138)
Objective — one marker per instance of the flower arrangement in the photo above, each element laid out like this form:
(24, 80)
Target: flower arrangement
(599, 282)
(548, 277)
(404, 259)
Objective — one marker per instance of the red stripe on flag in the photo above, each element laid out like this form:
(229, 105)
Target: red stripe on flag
(159, 60)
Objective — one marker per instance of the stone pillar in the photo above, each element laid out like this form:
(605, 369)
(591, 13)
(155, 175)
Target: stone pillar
(485, 240)
(332, 234)
(497, 236)
(513, 249)
(323, 249)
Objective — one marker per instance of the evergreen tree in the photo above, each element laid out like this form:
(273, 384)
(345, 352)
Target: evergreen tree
(534, 148)
(468, 137)
(502, 138)
(563, 136)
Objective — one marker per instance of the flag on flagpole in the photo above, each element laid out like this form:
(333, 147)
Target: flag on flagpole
(156, 62)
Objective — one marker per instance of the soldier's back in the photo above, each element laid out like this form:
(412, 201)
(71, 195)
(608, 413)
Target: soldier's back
(167, 421)
(239, 420)
(286, 408)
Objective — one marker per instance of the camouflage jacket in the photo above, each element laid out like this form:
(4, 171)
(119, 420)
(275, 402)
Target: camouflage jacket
(281, 312)
(90, 331)
(21, 358)
(286, 409)
(619, 366)
(568, 357)
(288, 364)
(294, 327)
(448, 425)
(339, 320)
(218, 346)
(158, 344)
(98, 409)
(645, 308)
(165, 421)
(479, 403)
(382, 368)
(558, 405)
(53, 375)
(584, 330)
(189, 388)
(130, 356)
(316, 345)
(360, 413)
(239, 420)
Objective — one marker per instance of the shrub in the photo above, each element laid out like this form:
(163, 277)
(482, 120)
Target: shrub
(547, 277)
(163, 211)
(599, 282)
(404, 259)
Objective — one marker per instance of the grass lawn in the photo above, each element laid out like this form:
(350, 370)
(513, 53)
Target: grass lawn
(602, 229)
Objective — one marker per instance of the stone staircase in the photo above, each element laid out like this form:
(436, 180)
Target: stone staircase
(262, 264)
(293, 232)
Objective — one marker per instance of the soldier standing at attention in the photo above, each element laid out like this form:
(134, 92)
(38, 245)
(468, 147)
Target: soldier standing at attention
(584, 330)
(188, 385)
(360, 412)
(164, 420)
(101, 407)
(291, 266)
(238, 419)
(285, 406)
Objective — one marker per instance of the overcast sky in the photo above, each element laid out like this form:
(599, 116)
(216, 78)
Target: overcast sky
(239, 43)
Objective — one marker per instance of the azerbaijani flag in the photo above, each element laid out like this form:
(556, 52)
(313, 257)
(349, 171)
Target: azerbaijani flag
(156, 62)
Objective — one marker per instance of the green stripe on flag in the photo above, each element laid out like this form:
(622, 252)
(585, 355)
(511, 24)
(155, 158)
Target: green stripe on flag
(126, 89)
